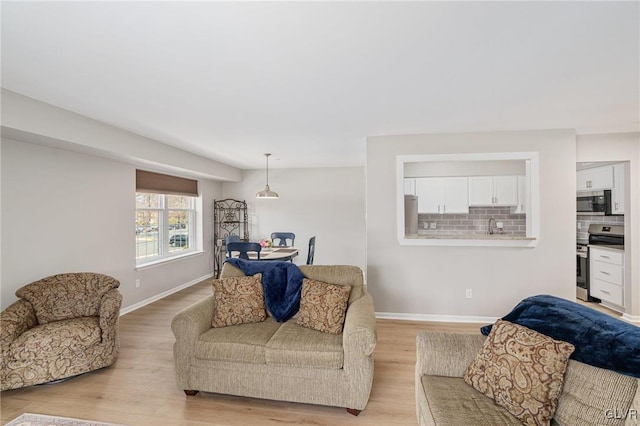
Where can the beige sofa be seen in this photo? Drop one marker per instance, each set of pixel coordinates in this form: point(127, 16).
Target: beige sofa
point(281, 361)
point(590, 396)
point(62, 326)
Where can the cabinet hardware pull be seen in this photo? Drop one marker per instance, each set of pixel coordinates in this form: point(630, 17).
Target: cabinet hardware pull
point(604, 257)
point(616, 205)
point(444, 208)
point(604, 273)
point(605, 291)
point(438, 208)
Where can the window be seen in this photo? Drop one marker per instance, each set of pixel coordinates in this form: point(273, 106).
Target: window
point(165, 226)
point(438, 169)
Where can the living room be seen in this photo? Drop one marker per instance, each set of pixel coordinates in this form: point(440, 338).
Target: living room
point(69, 160)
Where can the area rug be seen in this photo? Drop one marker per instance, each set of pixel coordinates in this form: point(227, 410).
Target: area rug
point(28, 419)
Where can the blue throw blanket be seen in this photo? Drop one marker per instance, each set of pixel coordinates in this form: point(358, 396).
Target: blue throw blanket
point(281, 282)
point(600, 340)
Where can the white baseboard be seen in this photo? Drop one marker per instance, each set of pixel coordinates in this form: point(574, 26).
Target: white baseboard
point(631, 318)
point(162, 295)
point(436, 318)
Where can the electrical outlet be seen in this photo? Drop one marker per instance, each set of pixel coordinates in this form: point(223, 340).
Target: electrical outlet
point(137, 283)
point(579, 225)
point(469, 293)
point(433, 225)
point(499, 225)
point(426, 225)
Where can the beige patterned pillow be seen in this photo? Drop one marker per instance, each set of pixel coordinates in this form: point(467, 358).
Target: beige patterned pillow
point(522, 370)
point(323, 306)
point(238, 300)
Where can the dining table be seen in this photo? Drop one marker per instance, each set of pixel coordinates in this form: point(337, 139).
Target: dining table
point(273, 253)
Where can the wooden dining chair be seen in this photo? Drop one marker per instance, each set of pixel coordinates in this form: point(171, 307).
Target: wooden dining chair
point(243, 248)
point(312, 250)
point(283, 237)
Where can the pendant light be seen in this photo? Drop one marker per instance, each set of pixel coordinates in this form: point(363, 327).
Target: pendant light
point(267, 192)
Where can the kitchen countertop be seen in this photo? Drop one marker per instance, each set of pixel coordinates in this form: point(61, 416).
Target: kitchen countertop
point(606, 246)
point(470, 237)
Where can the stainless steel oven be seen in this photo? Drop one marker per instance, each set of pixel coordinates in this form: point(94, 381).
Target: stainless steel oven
point(582, 264)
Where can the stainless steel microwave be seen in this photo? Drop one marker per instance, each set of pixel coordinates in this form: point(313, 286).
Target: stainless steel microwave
point(594, 203)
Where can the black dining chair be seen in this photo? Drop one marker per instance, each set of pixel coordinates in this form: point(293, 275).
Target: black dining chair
point(243, 248)
point(230, 239)
point(312, 250)
point(283, 237)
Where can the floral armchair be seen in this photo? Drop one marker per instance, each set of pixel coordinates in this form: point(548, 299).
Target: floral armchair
point(62, 326)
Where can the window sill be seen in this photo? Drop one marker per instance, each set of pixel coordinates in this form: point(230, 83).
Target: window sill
point(164, 260)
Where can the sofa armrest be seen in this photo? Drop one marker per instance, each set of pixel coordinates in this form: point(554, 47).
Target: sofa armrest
point(192, 321)
point(445, 354)
point(187, 326)
point(110, 314)
point(359, 334)
point(15, 320)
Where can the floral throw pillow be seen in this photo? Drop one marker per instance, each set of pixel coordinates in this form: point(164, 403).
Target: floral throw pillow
point(323, 306)
point(522, 370)
point(238, 300)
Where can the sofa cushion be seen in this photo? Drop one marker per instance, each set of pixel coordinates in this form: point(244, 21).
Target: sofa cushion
point(452, 402)
point(237, 343)
point(58, 339)
point(338, 274)
point(67, 296)
point(522, 370)
point(323, 306)
point(594, 396)
point(297, 346)
point(238, 300)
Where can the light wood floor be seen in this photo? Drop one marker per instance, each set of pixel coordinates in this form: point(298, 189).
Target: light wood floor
point(139, 389)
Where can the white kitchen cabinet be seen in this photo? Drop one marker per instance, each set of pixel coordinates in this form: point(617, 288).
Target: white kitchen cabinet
point(442, 195)
point(606, 275)
point(617, 192)
point(455, 193)
point(594, 179)
point(521, 207)
point(409, 186)
point(493, 191)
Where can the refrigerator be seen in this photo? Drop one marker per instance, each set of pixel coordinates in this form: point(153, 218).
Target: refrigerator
point(410, 215)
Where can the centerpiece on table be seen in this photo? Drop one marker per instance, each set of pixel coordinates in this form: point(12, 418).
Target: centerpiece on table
point(266, 243)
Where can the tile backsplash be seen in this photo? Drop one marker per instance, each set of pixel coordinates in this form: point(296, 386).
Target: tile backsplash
point(476, 222)
point(582, 230)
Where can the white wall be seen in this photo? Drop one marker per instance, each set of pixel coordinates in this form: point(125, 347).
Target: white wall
point(465, 168)
point(622, 147)
point(419, 280)
point(325, 202)
point(30, 120)
point(64, 211)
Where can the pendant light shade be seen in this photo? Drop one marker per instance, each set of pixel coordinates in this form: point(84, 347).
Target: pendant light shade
point(267, 192)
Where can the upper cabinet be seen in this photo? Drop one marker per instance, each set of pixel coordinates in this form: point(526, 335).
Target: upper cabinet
point(409, 186)
point(617, 192)
point(595, 179)
point(521, 207)
point(442, 195)
point(493, 191)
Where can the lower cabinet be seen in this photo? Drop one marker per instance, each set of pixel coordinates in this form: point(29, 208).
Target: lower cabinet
point(606, 275)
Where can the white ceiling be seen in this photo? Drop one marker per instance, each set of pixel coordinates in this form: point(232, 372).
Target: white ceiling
point(310, 81)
